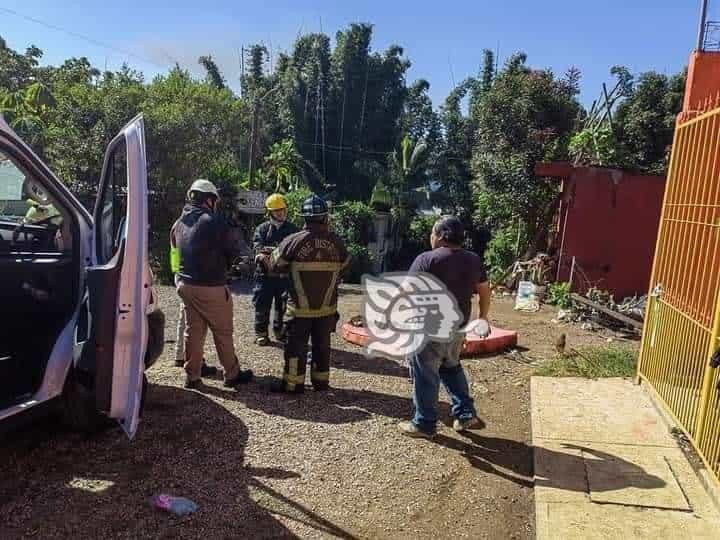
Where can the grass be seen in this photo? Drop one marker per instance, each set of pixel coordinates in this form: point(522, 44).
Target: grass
point(592, 363)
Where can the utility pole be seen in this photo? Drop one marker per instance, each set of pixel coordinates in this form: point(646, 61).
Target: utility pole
point(253, 135)
point(701, 27)
point(254, 132)
point(242, 69)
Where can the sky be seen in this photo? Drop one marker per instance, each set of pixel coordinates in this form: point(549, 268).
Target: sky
point(443, 40)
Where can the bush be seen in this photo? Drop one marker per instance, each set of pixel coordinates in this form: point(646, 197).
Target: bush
point(353, 221)
point(415, 240)
point(558, 294)
point(501, 251)
point(295, 200)
point(362, 262)
point(418, 234)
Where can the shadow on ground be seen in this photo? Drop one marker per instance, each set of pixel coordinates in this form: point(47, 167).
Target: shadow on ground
point(64, 485)
point(353, 361)
point(335, 406)
point(513, 460)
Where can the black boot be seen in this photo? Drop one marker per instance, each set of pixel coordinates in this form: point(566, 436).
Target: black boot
point(208, 371)
point(280, 335)
point(244, 376)
point(192, 385)
point(262, 341)
point(279, 387)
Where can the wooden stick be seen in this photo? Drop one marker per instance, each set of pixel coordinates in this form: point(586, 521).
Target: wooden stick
point(607, 311)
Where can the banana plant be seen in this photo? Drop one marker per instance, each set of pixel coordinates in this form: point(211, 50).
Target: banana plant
point(25, 109)
point(406, 165)
point(283, 166)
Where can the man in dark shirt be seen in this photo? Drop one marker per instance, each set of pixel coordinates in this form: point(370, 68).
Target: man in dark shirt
point(463, 274)
point(206, 247)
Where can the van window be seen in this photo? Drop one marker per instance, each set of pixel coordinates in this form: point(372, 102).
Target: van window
point(12, 205)
point(30, 220)
point(112, 205)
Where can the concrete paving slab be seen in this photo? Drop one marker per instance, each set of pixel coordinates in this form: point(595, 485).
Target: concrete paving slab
point(609, 410)
point(578, 521)
point(631, 483)
point(560, 474)
point(606, 466)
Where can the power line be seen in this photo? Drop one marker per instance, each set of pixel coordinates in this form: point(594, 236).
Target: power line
point(82, 37)
point(335, 148)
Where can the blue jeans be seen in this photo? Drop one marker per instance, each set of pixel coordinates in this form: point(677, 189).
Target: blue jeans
point(436, 363)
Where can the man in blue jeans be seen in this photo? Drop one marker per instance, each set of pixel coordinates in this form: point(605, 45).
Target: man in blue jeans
point(463, 273)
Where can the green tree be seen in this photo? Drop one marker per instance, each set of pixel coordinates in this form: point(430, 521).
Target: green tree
point(214, 76)
point(646, 120)
point(526, 116)
point(18, 70)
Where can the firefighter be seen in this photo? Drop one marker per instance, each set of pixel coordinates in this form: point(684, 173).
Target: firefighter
point(205, 249)
point(270, 285)
point(315, 258)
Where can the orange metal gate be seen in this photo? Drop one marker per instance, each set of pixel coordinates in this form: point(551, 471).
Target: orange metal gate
point(683, 313)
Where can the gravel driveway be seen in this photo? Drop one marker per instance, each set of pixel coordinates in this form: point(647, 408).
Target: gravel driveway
point(270, 466)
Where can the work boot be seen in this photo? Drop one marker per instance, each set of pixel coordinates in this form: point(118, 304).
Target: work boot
point(321, 387)
point(208, 371)
point(262, 341)
point(409, 429)
point(244, 376)
point(279, 387)
point(192, 385)
point(280, 335)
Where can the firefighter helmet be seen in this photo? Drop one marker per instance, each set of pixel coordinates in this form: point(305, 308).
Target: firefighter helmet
point(314, 206)
point(276, 201)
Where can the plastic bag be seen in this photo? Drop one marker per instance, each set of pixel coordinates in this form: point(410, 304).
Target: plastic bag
point(179, 506)
point(526, 299)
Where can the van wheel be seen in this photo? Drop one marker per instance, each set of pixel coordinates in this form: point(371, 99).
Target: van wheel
point(78, 409)
point(79, 412)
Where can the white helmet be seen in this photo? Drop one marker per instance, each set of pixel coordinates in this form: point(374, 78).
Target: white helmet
point(203, 186)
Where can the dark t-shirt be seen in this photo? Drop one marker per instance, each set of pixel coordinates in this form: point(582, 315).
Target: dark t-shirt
point(460, 270)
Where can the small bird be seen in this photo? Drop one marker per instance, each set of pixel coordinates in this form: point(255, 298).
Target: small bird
point(560, 344)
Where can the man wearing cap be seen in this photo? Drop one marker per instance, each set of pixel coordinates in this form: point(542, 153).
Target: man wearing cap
point(270, 285)
point(315, 259)
point(463, 274)
point(205, 249)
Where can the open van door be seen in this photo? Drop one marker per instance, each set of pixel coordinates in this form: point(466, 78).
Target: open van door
point(118, 279)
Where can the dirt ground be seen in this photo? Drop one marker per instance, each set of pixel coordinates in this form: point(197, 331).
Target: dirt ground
point(311, 466)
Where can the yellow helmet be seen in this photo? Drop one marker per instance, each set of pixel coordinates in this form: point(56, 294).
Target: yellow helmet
point(275, 202)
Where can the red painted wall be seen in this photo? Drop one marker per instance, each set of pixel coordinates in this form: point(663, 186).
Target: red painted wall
point(612, 223)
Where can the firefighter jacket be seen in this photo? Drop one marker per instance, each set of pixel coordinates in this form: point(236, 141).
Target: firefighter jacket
point(315, 258)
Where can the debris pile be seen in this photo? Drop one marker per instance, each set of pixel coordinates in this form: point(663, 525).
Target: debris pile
point(590, 317)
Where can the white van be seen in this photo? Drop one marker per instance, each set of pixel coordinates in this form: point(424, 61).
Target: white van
point(78, 319)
